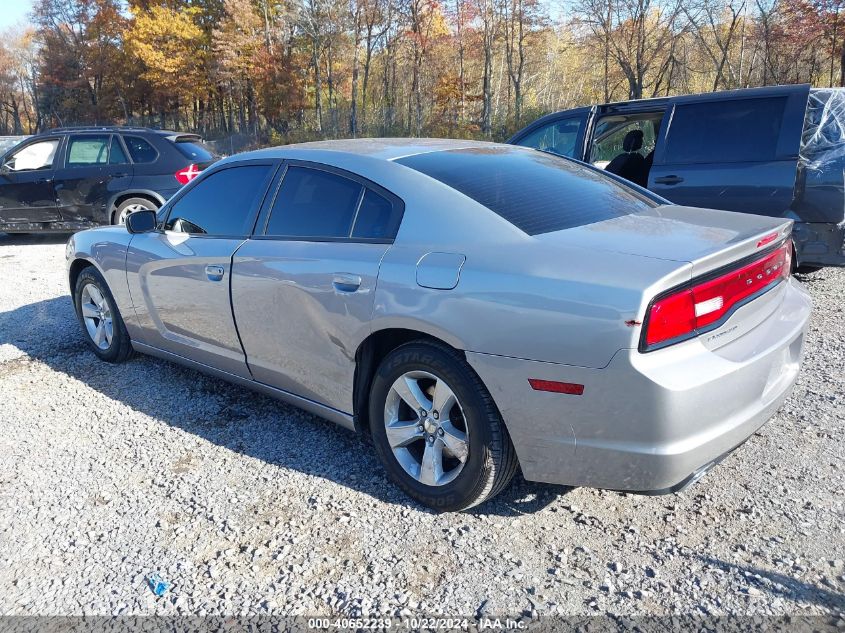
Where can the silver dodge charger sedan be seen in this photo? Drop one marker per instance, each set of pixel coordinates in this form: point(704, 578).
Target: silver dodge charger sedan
point(475, 308)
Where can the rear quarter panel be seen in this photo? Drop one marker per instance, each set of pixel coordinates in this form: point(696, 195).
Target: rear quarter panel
point(562, 305)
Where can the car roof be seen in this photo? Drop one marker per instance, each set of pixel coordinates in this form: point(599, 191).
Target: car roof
point(389, 149)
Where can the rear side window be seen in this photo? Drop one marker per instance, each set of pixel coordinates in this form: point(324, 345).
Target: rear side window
point(377, 217)
point(736, 131)
point(140, 150)
point(314, 203)
point(223, 203)
point(88, 150)
point(534, 191)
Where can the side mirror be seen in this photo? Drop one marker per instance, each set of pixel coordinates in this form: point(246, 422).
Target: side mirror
point(142, 221)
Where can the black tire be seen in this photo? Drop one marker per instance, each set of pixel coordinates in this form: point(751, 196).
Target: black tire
point(120, 348)
point(491, 460)
point(132, 202)
point(806, 269)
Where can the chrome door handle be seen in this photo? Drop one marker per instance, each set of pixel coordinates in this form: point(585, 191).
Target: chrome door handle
point(214, 273)
point(345, 282)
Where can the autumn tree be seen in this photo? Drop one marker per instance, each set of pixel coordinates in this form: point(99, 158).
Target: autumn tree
point(82, 57)
point(167, 42)
point(640, 35)
point(264, 71)
point(716, 25)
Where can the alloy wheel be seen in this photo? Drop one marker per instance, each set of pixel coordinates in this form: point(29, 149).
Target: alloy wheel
point(97, 316)
point(426, 428)
point(132, 208)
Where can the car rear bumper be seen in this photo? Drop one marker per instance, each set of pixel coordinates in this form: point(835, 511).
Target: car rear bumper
point(650, 422)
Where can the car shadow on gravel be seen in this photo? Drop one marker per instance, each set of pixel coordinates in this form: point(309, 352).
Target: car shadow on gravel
point(22, 239)
point(238, 419)
point(776, 585)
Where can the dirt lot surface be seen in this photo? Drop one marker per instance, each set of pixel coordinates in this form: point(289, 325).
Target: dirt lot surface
point(248, 506)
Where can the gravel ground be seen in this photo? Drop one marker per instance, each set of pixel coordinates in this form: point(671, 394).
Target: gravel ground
point(248, 506)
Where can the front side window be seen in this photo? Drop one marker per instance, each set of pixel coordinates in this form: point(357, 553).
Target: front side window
point(84, 151)
point(314, 203)
point(559, 137)
point(734, 131)
point(140, 150)
point(33, 157)
point(222, 203)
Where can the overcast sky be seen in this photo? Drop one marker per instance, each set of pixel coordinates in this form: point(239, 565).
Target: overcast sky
point(13, 12)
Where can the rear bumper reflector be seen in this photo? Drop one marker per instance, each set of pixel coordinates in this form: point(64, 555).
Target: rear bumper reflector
point(571, 388)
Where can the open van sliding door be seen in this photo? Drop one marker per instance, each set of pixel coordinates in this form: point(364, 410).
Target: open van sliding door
point(732, 151)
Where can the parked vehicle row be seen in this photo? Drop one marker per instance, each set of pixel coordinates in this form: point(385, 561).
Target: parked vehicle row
point(475, 307)
point(777, 151)
point(75, 178)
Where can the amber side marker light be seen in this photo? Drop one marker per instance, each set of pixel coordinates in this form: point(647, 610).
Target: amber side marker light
point(571, 388)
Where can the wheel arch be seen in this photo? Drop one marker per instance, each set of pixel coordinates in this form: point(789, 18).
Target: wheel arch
point(369, 355)
point(119, 198)
point(75, 269)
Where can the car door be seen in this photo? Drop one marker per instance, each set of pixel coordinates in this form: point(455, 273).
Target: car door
point(738, 153)
point(94, 168)
point(303, 287)
point(179, 275)
point(561, 133)
point(27, 193)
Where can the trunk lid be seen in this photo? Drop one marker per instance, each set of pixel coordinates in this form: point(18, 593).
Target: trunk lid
point(705, 238)
point(709, 246)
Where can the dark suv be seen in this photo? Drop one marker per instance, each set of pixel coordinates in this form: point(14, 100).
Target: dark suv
point(69, 179)
point(777, 151)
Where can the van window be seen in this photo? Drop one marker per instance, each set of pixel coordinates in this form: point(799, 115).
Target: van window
point(610, 132)
point(558, 137)
point(735, 131)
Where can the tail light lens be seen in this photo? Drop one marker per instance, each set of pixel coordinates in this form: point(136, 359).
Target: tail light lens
point(184, 176)
point(705, 304)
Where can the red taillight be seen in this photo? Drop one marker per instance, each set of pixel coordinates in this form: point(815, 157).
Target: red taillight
point(184, 176)
point(690, 311)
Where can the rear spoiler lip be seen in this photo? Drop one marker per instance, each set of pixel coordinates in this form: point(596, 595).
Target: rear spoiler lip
point(184, 138)
point(644, 348)
point(742, 251)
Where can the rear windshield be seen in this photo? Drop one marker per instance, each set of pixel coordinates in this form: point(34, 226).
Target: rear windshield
point(194, 150)
point(535, 191)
